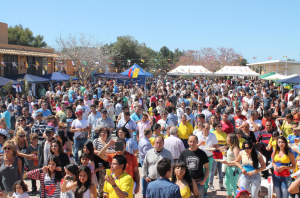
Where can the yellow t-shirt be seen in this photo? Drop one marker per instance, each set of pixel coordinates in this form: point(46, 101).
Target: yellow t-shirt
point(273, 143)
point(184, 131)
point(152, 139)
point(287, 129)
point(150, 111)
point(221, 137)
point(241, 141)
point(124, 182)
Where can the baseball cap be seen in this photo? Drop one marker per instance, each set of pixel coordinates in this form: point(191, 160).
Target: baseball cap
point(240, 190)
point(50, 128)
point(95, 96)
point(79, 112)
point(3, 132)
point(104, 111)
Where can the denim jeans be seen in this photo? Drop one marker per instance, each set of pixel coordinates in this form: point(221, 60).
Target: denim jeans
point(201, 188)
point(95, 135)
point(144, 183)
point(281, 185)
point(255, 181)
point(216, 165)
point(78, 143)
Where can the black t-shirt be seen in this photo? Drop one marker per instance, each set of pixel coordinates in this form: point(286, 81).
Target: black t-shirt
point(249, 138)
point(195, 161)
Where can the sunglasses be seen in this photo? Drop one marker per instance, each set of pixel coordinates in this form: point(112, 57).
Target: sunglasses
point(21, 135)
point(54, 146)
point(21, 120)
point(104, 113)
point(247, 148)
point(219, 126)
point(6, 148)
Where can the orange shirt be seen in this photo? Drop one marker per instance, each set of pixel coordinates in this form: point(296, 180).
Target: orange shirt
point(263, 121)
point(131, 162)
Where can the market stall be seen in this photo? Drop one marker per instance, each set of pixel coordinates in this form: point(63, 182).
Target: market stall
point(192, 70)
point(235, 71)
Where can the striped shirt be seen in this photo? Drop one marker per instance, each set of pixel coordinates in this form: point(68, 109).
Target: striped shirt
point(39, 128)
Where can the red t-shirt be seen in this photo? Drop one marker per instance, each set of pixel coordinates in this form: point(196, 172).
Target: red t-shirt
point(239, 120)
point(153, 99)
point(227, 127)
point(263, 121)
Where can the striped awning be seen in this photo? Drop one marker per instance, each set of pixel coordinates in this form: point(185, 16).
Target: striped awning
point(28, 53)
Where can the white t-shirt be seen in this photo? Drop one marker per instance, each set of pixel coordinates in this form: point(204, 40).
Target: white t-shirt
point(165, 123)
point(251, 128)
point(85, 110)
point(48, 93)
point(58, 93)
point(87, 103)
point(17, 195)
point(79, 124)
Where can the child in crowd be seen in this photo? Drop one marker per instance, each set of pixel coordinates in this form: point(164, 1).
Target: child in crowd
point(33, 164)
point(20, 190)
point(273, 141)
point(71, 171)
point(85, 161)
point(242, 193)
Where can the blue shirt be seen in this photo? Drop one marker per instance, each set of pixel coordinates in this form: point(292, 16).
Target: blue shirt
point(116, 90)
point(162, 188)
point(291, 139)
point(45, 113)
point(135, 118)
point(6, 115)
point(173, 117)
point(144, 147)
point(192, 118)
point(131, 145)
point(131, 125)
point(93, 119)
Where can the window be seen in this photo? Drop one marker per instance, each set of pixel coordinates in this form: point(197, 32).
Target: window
point(9, 70)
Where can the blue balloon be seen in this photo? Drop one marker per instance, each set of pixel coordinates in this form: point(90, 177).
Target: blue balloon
point(284, 84)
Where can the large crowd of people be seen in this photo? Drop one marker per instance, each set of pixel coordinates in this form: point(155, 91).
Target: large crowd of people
point(89, 140)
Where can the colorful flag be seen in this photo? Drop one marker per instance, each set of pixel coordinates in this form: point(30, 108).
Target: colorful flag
point(84, 63)
point(130, 73)
point(116, 70)
point(240, 58)
point(37, 63)
point(100, 70)
point(49, 63)
point(285, 56)
point(14, 64)
point(135, 73)
point(72, 62)
point(60, 63)
point(142, 60)
point(254, 57)
point(55, 68)
point(82, 69)
point(97, 63)
point(169, 59)
point(129, 61)
point(26, 64)
point(46, 67)
point(269, 57)
point(3, 63)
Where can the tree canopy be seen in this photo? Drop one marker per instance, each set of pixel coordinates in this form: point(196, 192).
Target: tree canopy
point(19, 36)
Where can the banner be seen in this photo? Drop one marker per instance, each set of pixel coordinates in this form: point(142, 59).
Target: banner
point(135, 73)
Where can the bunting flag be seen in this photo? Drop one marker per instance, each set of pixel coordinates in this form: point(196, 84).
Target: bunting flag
point(55, 68)
point(135, 73)
point(100, 70)
point(254, 57)
point(97, 63)
point(3, 63)
point(269, 57)
point(49, 63)
point(37, 63)
point(210, 57)
point(82, 69)
point(75, 68)
point(110, 62)
point(46, 68)
point(169, 59)
point(129, 61)
point(240, 58)
point(165, 71)
point(60, 63)
point(143, 60)
point(72, 62)
point(14, 64)
point(156, 60)
point(84, 63)
point(285, 56)
point(130, 73)
point(36, 67)
point(26, 64)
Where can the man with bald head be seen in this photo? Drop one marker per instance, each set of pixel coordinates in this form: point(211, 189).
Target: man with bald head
point(153, 156)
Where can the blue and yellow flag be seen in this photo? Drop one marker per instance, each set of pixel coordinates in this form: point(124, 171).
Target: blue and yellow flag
point(135, 73)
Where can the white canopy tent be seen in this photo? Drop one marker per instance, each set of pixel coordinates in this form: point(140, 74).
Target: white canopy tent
point(191, 70)
point(278, 77)
point(235, 71)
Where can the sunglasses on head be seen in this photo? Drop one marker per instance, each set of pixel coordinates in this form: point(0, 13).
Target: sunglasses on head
point(21, 135)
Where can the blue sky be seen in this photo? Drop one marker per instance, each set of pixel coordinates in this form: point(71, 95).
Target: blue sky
point(259, 28)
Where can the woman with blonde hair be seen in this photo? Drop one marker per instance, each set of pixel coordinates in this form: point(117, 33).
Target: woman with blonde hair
point(11, 167)
point(3, 126)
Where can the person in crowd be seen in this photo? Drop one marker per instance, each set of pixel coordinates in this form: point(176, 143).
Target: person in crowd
point(57, 150)
point(22, 126)
point(83, 187)
point(250, 167)
point(71, 171)
point(131, 169)
point(174, 144)
point(165, 122)
point(185, 129)
point(208, 112)
point(81, 129)
point(163, 187)
point(39, 126)
point(105, 121)
point(128, 123)
point(65, 142)
point(131, 145)
point(102, 140)
point(62, 112)
point(44, 110)
point(153, 156)
point(247, 134)
point(92, 119)
point(6, 114)
point(120, 183)
point(181, 177)
point(156, 132)
point(11, 167)
point(207, 142)
point(283, 162)
point(50, 177)
point(227, 126)
point(145, 123)
point(198, 164)
point(85, 109)
point(286, 127)
point(45, 146)
point(239, 118)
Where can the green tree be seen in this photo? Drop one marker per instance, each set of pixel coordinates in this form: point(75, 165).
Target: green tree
point(243, 62)
point(19, 36)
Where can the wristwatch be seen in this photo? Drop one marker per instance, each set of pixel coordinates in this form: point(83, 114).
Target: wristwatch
point(114, 186)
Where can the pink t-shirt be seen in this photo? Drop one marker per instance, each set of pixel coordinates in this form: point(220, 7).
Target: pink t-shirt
point(141, 127)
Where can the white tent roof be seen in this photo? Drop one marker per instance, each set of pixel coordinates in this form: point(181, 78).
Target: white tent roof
point(235, 71)
point(190, 70)
point(278, 77)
